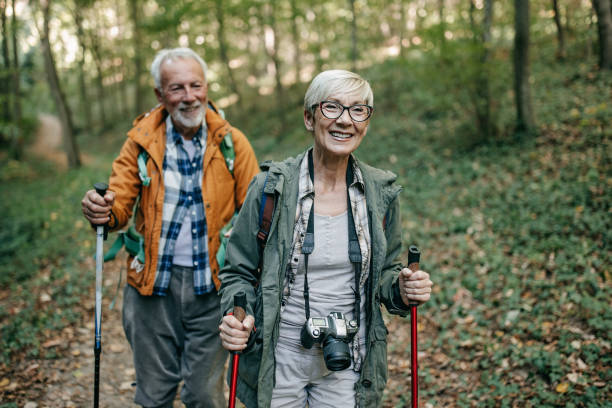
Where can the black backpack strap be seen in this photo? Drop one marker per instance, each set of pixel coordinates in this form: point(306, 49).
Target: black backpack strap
point(266, 211)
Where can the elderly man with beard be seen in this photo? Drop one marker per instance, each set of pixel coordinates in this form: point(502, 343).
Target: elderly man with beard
point(171, 307)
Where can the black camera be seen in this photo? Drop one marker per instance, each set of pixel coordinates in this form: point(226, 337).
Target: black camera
point(334, 332)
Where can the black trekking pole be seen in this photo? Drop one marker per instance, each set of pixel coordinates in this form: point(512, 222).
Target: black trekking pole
point(414, 257)
point(101, 234)
point(239, 313)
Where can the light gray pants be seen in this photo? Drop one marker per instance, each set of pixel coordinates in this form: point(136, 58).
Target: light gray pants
point(301, 376)
point(173, 338)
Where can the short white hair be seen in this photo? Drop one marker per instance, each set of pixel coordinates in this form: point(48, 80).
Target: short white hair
point(173, 53)
point(336, 81)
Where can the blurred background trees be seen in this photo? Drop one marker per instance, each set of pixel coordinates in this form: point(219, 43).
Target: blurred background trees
point(86, 61)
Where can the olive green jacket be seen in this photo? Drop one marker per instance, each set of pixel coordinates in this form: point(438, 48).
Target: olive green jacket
point(263, 288)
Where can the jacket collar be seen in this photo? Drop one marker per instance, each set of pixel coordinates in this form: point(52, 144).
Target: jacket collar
point(149, 130)
point(376, 182)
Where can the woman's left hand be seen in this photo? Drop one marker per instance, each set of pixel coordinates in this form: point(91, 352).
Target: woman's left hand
point(415, 287)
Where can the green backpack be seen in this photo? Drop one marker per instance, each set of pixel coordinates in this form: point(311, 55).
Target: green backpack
point(133, 241)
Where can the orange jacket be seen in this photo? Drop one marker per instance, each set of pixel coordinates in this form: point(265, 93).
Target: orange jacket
point(222, 194)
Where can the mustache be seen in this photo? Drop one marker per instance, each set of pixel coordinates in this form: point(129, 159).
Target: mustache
point(193, 105)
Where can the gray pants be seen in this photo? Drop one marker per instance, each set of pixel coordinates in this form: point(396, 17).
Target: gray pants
point(173, 338)
point(302, 378)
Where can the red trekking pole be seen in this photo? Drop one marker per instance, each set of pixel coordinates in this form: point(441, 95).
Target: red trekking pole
point(414, 257)
point(239, 313)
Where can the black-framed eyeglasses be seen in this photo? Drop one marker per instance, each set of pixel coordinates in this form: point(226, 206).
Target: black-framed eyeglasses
point(333, 110)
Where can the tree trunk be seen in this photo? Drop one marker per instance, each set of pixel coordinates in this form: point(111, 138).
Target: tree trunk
point(354, 54)
point(402, 30)
point(603, 9)
point(85, 103)
point(136, 41)
point(18, 139)
point(295, 33)
point(524, 112)
point(223, 49)
point(70, 144)
point(95, 51)
point(442, 27)
point(272, 50)
point(5, 69)
point(482, 101)
point(561, 54)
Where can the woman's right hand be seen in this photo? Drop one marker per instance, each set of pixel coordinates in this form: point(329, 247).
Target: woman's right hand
point(235, 334)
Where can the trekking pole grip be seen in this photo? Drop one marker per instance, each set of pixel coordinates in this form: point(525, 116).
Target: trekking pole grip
point(240, 306)
point(414, 257)
point(101, 188)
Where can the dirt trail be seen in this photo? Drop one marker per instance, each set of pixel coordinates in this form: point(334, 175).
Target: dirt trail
point(70, 379)
point(48, 141)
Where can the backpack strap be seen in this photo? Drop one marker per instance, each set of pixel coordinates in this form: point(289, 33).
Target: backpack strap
point(143, 156)
point(227, 150)
point(266, 211)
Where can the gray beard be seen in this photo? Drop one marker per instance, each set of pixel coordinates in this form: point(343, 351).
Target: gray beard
point(188, 122)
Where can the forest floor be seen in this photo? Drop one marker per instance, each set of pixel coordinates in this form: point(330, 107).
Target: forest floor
point(67, 381)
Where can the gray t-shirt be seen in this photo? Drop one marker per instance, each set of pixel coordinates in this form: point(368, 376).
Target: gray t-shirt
point(331, 281)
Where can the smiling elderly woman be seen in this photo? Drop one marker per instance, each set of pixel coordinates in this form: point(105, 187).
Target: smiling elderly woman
point(314, 332)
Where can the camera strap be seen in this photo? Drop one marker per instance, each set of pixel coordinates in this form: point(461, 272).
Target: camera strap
point(354, 251)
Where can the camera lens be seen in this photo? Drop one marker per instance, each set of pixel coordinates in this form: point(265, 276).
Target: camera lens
point(336, 354)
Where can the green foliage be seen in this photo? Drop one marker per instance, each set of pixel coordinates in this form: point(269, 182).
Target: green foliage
point(42, 238)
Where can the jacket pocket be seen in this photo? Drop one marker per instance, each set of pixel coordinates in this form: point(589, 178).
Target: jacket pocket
point(378, 358)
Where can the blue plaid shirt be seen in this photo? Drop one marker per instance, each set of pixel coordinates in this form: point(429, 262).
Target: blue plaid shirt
point(182, 197)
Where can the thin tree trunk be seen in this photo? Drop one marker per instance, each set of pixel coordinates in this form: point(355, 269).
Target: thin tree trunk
point(5, 70)
point(18, 139)
point(319, 27)
point(95, 51)
point(354, 53)
point(561, 54)
point(295, 33)
point(136, 43)
point(442, 27)
point(272, 50)
point(603, 9)
point(85, 105)
point(483, 89)
point(402, 30)
point(70, 144)
point(223, 49)
point(524, 118)
point(256, 44)
point(121, 104)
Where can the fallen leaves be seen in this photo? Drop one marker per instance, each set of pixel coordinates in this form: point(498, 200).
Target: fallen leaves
point(562, 387)
point(53, 342)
